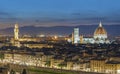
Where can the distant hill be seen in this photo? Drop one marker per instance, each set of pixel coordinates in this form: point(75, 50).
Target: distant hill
point(113, 30)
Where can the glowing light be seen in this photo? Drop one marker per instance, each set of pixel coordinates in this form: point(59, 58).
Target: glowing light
point(55, 37)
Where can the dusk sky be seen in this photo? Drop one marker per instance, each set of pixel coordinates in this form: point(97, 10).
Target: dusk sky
point(59, 12)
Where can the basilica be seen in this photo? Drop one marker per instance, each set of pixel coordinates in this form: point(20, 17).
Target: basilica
point(99, 36)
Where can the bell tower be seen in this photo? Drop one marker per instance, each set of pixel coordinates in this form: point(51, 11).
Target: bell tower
point(16, 32)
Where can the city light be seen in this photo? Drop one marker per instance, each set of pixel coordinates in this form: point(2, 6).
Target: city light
point(59, 37)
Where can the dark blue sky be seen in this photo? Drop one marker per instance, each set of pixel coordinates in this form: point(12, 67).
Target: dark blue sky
point(59, 12)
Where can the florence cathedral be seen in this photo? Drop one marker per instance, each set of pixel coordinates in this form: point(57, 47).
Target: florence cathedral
point(99, 36)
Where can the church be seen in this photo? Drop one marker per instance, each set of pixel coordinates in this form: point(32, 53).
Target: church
point(99, 36)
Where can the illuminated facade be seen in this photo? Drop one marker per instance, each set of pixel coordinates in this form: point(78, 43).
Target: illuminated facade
point(112, 67)
point(81, 39)
point(100, 35)
point(105, 66)
point(15, 40)
point(88, 40)
point(97, 65)
point(38, 45)
point(75, 36)
point(16, 32)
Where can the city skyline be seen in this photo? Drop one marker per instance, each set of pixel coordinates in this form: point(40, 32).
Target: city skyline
point(59, 37)
point(58, 13)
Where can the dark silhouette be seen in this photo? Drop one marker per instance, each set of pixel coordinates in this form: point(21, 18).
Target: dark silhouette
point(12, 72)
point(24, 71)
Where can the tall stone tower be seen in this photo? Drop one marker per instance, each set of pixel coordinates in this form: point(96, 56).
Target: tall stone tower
point(75, 36)
point(16, 32)
point(16, 36)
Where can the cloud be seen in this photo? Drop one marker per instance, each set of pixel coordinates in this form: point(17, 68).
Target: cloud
point(73, 19)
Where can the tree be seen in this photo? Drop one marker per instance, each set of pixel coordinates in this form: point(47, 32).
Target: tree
point(61, 65)
point(12, 72)
point(1, 56)
point(47, 63)
point(24, 71)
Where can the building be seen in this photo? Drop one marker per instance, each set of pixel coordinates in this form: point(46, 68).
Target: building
point(81, 66)
point(75, 36)
point(88, 40)
point(56, 62)
point(38, 45)
point(97, 65)
point(16, 32)
point(105, 66)
point(15, 40)
point(100, 35)
point(112, 67)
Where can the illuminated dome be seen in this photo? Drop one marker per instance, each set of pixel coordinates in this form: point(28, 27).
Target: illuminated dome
point(100, 32)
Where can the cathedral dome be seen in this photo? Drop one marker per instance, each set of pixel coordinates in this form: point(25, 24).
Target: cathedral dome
point(100, 32)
